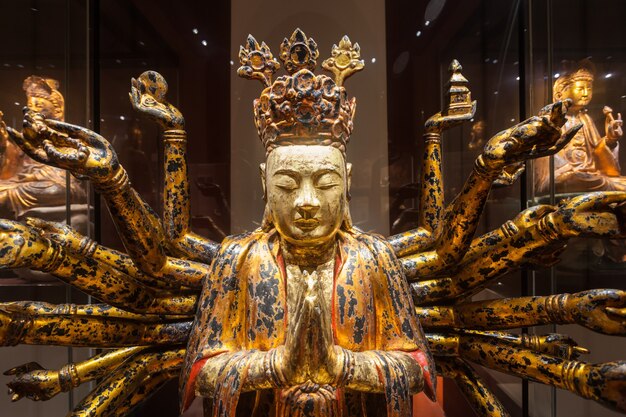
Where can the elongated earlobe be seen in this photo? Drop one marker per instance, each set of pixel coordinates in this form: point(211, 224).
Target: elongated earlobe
point(267, 223)
point(262, 172)
point(348, 181)
point(346, 224)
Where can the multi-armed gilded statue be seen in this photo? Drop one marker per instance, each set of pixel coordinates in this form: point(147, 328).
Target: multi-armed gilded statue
point(307, 315)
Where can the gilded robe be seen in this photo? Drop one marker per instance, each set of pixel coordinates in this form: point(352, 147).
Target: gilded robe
point(243, 306)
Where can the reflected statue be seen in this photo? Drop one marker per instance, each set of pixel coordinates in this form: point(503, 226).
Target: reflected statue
point(26, 184)
point(590, 162)
point(477, 135)
point(306, 316)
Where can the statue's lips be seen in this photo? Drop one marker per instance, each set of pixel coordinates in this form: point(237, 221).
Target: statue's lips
point(307, 224)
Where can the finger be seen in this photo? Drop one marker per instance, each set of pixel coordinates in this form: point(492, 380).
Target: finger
point(16, 136)
point(62, 139)
point(132, 99)
point(22, 369)
point(14, 395)
point(560, 143)
point(557, 115)
point(92, 138)
point(19, 140)
point(581, 350)
point(135, 95)
point(13, 371)
point(507, 178)
point(70, 159)
point(621, 312)
point(44, 225)
point(30, 150)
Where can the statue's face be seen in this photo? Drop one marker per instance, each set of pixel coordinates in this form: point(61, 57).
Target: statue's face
point(41, 105)
point(306, 190)
point(580, 93)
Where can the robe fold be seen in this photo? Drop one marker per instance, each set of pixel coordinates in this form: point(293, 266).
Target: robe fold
point(243, 306)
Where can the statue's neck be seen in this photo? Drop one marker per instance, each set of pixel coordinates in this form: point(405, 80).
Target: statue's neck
point(308, 256)
point(575, 111)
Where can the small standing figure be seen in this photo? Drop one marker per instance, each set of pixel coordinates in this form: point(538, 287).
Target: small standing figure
point(590, 162)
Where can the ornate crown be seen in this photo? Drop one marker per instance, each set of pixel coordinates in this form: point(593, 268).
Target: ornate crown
point(302, 108)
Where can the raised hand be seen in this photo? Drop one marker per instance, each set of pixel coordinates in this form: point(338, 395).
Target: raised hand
point(535, 137)
point(599, 214)
point(82, 152)
point(603, 310)
point(612, 126)
point(34, 382)
point(147, 96)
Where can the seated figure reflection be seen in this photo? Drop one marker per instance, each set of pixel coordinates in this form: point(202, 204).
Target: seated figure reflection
point(590, 162)
point(26, 184)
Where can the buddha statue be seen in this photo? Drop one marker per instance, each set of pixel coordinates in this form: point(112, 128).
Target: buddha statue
point(590, 162)
point(24, 183)
point(306, 315)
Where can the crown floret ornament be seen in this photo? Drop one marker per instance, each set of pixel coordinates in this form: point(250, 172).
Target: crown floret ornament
point(298, 52)
point(345, 60)
point(302, 108)
point(257, 62)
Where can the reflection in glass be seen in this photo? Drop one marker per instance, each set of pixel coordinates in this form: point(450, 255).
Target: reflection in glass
point(28, 187)
point(590, 161)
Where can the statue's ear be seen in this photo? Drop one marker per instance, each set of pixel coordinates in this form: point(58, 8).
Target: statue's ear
point(262, 172)
point(348, 178)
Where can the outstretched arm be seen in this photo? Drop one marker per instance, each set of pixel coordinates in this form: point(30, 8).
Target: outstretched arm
point(532, 138)
point(188, 273)
point(113, 391)
point(87, 154)
point(562, 346)
point(148, 98)
point(535, 236)
point(602, 310)
point(88, 331)
point(603, 382)
point(24, 247)
point(33, 381)
point(481, 252)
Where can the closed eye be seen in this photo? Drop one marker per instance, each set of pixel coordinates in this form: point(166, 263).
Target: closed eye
point(327, 180)
point(285, 182)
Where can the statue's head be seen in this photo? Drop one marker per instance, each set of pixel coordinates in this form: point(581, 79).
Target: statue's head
point(43, 96)
point(304, 121)
point(577, 86)
point(306, 189)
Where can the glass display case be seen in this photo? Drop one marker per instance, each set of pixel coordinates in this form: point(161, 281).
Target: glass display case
point(42, 69)
point(74, 59)
point(579, 55)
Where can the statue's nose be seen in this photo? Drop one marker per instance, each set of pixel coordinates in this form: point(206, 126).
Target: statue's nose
point(308, 211)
